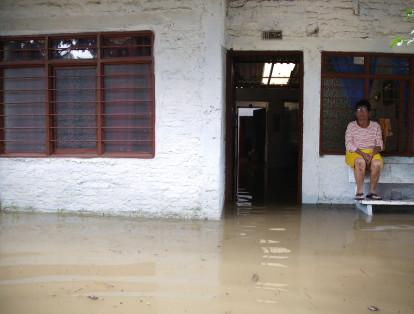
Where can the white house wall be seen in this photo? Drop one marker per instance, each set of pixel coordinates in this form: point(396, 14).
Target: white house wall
point(312, 26)
point(186, 177)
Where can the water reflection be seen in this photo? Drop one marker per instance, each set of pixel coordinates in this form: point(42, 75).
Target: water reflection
point(314, 259)
point(320, 259)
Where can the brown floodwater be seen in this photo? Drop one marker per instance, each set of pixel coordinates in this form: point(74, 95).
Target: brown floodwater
point(264, 260)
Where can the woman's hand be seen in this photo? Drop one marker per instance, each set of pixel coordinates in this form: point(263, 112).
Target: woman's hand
point(367, 157)
point(376, 150)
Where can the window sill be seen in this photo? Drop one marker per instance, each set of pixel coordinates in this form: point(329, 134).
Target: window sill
point(106, 155)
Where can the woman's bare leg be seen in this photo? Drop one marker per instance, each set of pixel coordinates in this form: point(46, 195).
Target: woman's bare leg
point(375, 174)
point(359, 171)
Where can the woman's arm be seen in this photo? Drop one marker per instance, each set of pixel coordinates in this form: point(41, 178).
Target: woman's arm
point(349, 143)
point(379, 144)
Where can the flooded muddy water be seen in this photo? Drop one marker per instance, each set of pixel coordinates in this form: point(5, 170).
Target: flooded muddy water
point(280, 260)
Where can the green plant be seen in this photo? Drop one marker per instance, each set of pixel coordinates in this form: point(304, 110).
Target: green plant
point(400, 41)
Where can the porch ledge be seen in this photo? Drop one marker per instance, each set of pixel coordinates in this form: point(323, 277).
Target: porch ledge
point(393, 172)
point(366, 205)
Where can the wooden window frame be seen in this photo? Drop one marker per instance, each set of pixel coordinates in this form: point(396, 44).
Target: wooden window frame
point(99, 62)
point(367, 76)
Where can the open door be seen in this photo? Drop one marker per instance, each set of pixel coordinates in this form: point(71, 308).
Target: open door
point(259, 187)
point(250, 157)
point(259, 122)
point(272, 168)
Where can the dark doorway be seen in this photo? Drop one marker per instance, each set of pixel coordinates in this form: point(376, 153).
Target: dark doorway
point(264, 127)
point(251, 154)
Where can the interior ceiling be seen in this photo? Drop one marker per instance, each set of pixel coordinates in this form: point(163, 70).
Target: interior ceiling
point(249, 70)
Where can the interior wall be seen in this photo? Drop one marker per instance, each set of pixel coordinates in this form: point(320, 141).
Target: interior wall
point(276, 99)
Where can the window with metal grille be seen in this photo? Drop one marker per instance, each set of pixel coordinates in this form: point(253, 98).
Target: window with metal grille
point(77, 95)
point(386, 80)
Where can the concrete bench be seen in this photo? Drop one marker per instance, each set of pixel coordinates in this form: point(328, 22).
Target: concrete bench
point(393, 172)
point(398, 173)
point(366, 205)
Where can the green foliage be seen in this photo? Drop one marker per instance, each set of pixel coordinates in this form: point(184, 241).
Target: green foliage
point(409, 13)
point(399, 41)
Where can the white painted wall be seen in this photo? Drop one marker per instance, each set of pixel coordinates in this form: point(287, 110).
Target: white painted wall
point(186, 177)
point(325, 179)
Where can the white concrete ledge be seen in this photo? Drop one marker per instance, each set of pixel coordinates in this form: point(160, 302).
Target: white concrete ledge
point(366, 205)
point(392, 173)
point(387, 202)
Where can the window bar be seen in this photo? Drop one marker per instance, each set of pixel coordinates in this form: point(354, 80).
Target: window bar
point(271, 73)
point(22, 78)
point(23, 103)
point(126, 46)
point(19, 91)
point(91, 76)
point(321, 124)
point(20, 49)
point(103, 101)
point(84, 128)
point(367, 63)
point(2, 118)
point(366, 88)
point(20, 141)
point(152, 103)
point(142, 115)
point(52, 115)
point(99, 97)
point(76, 141)
point(411, 110)
point(400, 148)
point(48, 99)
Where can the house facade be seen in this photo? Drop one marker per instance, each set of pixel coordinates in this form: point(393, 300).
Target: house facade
point(175, 162)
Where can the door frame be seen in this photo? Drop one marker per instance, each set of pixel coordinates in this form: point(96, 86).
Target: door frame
point(231, 115)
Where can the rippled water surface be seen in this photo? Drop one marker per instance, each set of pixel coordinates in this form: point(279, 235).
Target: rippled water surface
point(263, 260)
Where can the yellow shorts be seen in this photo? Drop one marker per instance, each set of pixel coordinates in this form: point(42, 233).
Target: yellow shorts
point(350, 157)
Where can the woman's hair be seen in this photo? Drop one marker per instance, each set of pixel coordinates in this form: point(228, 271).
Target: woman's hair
point(363, 103)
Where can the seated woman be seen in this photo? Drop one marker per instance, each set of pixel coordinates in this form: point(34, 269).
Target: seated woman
point(363, 141)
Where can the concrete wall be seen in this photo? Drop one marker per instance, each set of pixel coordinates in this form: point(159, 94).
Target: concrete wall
point(186, 177)
point(312, 26)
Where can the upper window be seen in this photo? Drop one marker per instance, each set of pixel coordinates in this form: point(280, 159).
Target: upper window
point(386, 80)
point(77, 95)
